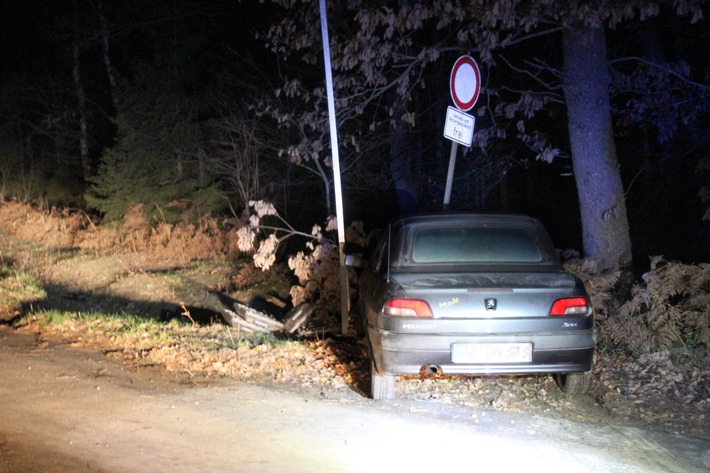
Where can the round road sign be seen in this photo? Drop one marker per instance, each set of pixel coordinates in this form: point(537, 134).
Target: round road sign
point(465, 83)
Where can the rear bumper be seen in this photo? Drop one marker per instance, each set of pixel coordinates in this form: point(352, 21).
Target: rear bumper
point(403, 353)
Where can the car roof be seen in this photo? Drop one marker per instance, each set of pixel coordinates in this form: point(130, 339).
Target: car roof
point(482, 217)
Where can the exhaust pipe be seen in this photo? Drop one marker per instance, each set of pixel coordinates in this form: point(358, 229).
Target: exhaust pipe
point(432, 369)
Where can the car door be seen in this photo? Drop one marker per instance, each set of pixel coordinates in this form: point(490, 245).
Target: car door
point(373, 286)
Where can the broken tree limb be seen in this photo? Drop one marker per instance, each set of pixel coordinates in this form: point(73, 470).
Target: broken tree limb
point(258, 318)
point(252, 320)
point(297, 316)
point(236, 321)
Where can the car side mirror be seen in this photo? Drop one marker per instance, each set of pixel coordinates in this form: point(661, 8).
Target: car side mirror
point(355, 261)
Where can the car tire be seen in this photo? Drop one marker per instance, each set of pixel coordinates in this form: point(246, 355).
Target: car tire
point(574, 383)
point(381, 385)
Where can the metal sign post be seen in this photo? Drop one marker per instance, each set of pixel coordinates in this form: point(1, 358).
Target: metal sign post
point(450, 175)
point(465, 85)
point(343, 274)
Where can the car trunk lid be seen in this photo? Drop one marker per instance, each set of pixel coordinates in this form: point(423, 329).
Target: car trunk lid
point(489, 295)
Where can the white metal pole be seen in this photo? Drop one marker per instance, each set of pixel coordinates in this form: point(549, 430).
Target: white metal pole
point(344, 286)
point(450, 174)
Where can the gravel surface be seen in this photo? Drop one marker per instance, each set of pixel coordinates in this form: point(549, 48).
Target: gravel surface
point(665, 391)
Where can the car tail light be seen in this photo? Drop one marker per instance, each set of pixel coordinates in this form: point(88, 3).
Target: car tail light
point(407, 308)
point(569, 306)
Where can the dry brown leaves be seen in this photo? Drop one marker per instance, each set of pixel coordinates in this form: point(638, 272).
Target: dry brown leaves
point(214, 351)
point(669, 387)
point(74, 229)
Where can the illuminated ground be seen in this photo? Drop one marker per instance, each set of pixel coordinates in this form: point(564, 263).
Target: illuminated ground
point(68, 409)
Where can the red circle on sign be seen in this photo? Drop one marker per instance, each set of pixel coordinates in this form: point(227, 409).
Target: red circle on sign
point(465, 83)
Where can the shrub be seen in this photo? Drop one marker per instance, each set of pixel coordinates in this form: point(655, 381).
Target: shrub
point(671, 307)
point(316, 266)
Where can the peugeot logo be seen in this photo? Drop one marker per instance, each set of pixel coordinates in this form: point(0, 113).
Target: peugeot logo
point(491, 304)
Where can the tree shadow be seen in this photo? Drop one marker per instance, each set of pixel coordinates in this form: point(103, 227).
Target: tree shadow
point(347, 354)
point(63, 299)
point(351, 354)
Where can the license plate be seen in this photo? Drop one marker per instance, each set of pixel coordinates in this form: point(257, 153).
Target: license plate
point(491, 352)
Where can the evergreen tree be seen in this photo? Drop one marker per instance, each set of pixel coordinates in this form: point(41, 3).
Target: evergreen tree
point(156, 158)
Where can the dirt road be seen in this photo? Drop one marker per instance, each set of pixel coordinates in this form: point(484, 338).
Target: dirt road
point(67, 409)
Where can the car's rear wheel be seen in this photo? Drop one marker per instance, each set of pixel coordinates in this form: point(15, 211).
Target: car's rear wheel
point(381, 385)
point(574, 383)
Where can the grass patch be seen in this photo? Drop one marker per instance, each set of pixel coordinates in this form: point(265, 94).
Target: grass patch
point(98, 328)
point(131, 332)
point(17, 290)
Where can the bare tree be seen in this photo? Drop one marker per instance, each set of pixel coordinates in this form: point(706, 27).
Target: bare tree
point(237, 156)
point(81, 98)
point(106, 49)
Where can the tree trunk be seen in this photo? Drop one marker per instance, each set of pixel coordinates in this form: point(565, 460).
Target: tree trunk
point(107, 56)
point(81, 98)
point(605, 227)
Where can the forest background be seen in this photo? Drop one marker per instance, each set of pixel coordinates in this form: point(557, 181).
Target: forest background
point(187, 140)
point(593, 115)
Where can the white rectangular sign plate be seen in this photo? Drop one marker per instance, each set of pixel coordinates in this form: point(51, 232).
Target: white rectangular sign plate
point(459, 126)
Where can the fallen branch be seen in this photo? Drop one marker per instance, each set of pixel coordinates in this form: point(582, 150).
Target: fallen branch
point(252, 320)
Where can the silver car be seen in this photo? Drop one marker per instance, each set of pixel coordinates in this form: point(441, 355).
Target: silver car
point(473, 294)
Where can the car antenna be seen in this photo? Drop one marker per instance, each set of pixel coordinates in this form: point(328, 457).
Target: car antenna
point(389, 249)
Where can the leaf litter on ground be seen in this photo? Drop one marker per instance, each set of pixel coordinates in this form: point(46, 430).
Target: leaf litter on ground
point(666, 390)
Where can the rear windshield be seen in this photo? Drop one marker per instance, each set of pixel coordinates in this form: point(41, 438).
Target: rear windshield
point(475, 245)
